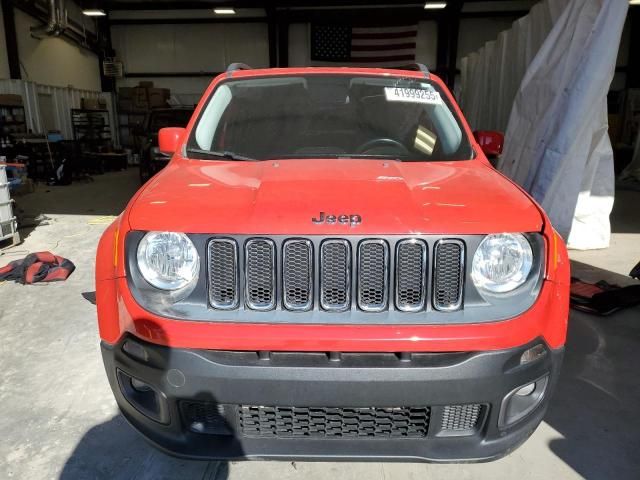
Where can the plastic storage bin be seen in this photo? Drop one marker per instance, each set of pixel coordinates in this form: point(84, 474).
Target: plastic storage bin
point(8, 224)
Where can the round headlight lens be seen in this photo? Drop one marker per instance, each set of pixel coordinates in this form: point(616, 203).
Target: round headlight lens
point(168, 260)
point(501, 263)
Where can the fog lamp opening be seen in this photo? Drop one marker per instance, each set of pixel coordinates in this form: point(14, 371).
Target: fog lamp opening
point(139, 385)
point(526, 390)
point(521, 401)
point(143, 397)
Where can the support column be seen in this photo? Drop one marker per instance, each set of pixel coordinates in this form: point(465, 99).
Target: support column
point(283, 42)
point(105, 50)
point(447, 48)
point(11, 39)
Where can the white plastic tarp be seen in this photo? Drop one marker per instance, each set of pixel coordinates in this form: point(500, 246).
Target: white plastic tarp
point(491, 76)
point(555, 66)
point(557, 146)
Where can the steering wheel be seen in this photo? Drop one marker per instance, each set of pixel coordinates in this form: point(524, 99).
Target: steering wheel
point(382, 142)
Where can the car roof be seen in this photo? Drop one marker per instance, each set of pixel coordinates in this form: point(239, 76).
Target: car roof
point(386, 72)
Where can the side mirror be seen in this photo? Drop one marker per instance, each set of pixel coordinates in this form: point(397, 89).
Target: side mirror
point(490, 142)
point(169, 139)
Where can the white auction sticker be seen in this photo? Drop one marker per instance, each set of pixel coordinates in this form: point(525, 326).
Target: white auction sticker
point(412, 95)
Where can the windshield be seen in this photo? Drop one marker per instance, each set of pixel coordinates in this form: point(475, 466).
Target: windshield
point(329, 116)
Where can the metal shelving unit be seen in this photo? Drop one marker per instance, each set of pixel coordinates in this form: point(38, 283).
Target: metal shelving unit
point(12, 120)
point(8, 223)
point(91, 129)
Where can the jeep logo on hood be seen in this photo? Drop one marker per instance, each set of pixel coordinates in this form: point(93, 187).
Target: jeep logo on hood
point(352, 219)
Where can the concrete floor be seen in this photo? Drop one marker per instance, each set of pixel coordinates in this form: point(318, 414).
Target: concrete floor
point(59, 420)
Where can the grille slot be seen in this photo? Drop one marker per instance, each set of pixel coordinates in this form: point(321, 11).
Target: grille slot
point(205, 417)
point(373, 275)
point(411, 270)
point(260, 274)
point(335, 275)
point(297, 275)
point(223, 273)
point(448, 272)
point(461, 418)
point(328, 422)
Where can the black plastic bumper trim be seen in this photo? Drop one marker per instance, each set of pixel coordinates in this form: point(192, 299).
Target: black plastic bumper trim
point(479, 378)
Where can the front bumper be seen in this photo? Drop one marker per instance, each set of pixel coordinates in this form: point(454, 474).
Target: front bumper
point(198, 399)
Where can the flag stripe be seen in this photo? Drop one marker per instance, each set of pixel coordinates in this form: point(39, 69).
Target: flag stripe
point(388, 54)
point(384, 29)
point(355, 47)
point(394, 58)
point(381, 36)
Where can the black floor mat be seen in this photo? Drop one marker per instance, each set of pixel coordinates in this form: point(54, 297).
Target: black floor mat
point(602, 298)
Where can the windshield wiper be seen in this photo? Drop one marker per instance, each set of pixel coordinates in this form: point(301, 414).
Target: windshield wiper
point(224, 155)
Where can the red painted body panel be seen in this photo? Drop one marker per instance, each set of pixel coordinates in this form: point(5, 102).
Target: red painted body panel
point(280, 197)
point(543, 320)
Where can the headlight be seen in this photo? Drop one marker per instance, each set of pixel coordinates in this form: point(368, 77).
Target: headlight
point(501, 263)
point(168, 260)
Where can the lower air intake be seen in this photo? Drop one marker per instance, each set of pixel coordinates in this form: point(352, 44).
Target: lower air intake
point(461, 418)
point(327, 422)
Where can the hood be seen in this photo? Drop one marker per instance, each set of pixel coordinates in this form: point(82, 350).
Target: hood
point(282, 197)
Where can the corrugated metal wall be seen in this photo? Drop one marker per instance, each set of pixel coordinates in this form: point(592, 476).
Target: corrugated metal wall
point(63, 99)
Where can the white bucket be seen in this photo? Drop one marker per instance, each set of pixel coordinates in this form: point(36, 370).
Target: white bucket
point(4, 185)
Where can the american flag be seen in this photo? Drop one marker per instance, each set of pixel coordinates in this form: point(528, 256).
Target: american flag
point(393, 46)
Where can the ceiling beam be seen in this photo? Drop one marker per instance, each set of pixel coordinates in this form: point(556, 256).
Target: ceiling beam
point(11, 39)
point(278, 4)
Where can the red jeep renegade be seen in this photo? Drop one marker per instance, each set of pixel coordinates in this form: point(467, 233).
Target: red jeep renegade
point(330, 268)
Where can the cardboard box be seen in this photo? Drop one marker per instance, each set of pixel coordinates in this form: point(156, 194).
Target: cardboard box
point(125, 93)
point(158, 97)
point(94, 103)
point(140, 98)
point(11, 100)
point(125, 105)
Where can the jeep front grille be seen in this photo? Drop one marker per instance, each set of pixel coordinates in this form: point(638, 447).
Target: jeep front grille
point(411, 269)
point(336, 275)
point(373, 281)
point(223, 274)
point(297, 275)
point(260, 276)
point(448, 277)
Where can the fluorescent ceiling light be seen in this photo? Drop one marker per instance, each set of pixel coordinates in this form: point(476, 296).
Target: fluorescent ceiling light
point(634, 2)
point(224, 11)
point(93, 12)
point(434, 5)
